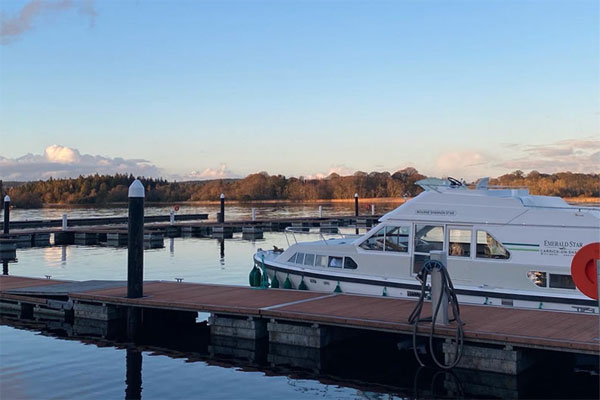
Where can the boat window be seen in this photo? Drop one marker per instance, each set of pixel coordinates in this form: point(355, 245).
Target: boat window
point(375, 242)
point(459, 242)
point(321, 261)
point(309, 259)
point(538, 278)
point(292, 258)
point(300, 258)
point(488, 247)
point(396, 239)
point(350, 263)
point(335, 262)
point(428, 238)
point(561, 281)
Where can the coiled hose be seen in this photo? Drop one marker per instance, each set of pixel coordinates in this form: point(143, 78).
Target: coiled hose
point(415, 316)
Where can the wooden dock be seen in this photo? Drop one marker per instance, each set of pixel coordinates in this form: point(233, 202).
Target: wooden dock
point(494, 327)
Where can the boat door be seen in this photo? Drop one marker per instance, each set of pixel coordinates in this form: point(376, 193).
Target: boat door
point(426, 237)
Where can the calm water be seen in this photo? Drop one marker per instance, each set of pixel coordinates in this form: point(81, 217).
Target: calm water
point(39, 361)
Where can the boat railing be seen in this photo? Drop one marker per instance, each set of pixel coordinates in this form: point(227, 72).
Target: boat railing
point(294, 230)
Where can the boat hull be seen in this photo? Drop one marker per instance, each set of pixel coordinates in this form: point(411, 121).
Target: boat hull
point(320, 281)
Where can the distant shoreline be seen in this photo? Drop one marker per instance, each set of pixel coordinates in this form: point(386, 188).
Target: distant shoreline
point(373, 200)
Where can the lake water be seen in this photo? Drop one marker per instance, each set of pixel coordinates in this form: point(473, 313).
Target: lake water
point(41, 359)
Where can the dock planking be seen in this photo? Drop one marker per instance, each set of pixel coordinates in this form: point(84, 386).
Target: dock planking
point(551, 330)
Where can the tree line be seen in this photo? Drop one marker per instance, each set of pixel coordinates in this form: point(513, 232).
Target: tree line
point(104, 189)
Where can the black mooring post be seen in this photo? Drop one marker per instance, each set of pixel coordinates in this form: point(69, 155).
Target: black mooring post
point(6, 214)
point(4, 267)
point(135, 241)
point(356, 210)
point(222, 214)
point(133, 379)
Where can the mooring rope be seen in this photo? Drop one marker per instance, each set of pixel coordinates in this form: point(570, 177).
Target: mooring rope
point(415, 316)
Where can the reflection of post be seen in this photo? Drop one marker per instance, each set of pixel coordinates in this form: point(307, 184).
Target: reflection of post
point(63, 255)
point(222, 243)
point(4, 267)
point(172, 246)
point(133, 379)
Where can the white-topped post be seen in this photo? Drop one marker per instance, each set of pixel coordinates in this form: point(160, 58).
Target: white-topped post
point(222, 214)
point(6, 214)
point(372, 209)
point(135, 241)
point(356, 210)
point(320, 211)
point(64, 222)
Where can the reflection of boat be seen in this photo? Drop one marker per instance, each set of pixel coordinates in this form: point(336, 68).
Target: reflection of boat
point(503, 246)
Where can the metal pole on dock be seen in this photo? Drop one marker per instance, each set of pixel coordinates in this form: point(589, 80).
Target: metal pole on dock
point(64, 222)
point(356, 210)
point(372, 209)
point(222, 214)
point(253, 214)
point(320, 211)
point(135, 241)
point(6, 214)
point(135, 256)
point(172, 217)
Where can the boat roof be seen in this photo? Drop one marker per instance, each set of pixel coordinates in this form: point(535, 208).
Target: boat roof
point(453, 201)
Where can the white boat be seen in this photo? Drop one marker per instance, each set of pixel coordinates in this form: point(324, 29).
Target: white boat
point(502, 247)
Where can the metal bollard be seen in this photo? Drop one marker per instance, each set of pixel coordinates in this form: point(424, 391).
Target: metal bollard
point(320, 211)
point(372, 209)
point(253, 214)
point(172, 217)
point(64, 222)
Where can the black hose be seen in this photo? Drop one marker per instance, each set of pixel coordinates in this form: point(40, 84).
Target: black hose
point(415, 316)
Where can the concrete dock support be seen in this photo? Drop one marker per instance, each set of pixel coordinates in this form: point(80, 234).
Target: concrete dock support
point(505, 360)
point(62, 238)
point(251, 233)
point(329, 227)
point(85, 238)
point(116, 239)
point(313, 335)
point(238, 327)
point(95, 311)
point(222, 232)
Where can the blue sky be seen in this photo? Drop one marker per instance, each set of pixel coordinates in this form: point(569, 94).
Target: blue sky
point(189, 89)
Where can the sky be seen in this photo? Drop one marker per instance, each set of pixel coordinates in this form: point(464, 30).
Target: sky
point(199, 90)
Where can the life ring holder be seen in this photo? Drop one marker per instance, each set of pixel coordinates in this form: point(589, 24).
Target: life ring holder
point(583, 269)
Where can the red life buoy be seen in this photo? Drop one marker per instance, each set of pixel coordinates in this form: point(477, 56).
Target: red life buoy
point(583, 269)
point(176, 208)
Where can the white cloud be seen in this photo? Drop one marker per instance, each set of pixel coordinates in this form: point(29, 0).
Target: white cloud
point(341, 170)
point(61, 154)
point(466, 164)
point(13, 27)
point(221, 172)
point(575, 155)
point(65, 162)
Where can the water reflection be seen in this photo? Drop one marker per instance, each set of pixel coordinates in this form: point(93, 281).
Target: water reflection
point(133, 380)
point(367, 366)
point(172, 246)
point(222, 253)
